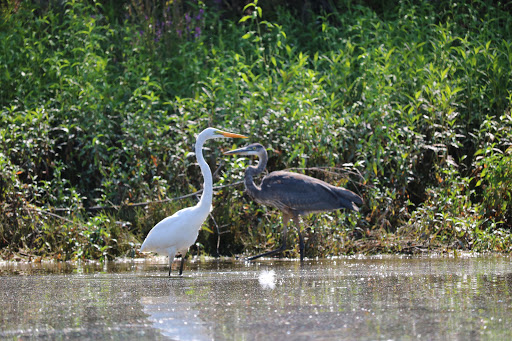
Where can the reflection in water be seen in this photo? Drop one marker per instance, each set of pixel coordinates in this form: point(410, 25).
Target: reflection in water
point(182, 316)
point(178, 320)
point(342, 299)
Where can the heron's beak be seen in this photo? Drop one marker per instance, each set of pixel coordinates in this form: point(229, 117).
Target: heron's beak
point(232, 135)
point(239, 151)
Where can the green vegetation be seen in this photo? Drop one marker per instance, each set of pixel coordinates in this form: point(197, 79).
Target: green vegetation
point(408, 106)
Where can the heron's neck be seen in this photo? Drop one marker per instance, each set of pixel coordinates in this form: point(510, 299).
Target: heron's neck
point(252, 171)
point(207, 197)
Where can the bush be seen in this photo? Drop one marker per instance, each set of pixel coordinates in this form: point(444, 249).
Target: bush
point(409, 107)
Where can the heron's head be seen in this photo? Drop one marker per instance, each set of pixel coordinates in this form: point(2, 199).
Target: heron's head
point(213, 133)
point(252, 149)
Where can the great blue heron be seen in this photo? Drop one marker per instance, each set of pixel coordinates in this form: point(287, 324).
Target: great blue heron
point(292, 193)
point(176, 233)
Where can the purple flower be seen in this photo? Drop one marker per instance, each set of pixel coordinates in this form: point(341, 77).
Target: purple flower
point(187, 18)
point(199, 16)
point(198, 32)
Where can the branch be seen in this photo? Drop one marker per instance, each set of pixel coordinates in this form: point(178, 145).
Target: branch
point(92, 208)
point(48, 213)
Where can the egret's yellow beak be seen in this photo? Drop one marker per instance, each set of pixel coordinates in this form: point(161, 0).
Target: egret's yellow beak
point(232, 135)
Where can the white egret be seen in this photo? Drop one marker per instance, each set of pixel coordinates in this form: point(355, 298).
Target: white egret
point(175, 234)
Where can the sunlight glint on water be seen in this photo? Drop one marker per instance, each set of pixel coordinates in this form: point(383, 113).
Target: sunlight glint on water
point(346, 298)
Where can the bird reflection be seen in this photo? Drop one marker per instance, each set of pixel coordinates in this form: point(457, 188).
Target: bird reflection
point(175, 319)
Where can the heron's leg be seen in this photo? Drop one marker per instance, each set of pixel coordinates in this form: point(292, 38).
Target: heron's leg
point(286, 218)
point(301, 239)
point(182, 262)
point(269, 253)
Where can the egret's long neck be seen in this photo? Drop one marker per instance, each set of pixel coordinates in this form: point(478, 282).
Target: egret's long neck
point(207, 197)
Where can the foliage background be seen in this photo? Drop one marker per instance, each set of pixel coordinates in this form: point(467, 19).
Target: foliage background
point(406, 103)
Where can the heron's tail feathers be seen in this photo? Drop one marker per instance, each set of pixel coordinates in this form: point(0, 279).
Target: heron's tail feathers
point(349, 199)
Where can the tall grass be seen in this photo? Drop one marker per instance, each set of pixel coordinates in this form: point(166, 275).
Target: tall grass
point(408, 107)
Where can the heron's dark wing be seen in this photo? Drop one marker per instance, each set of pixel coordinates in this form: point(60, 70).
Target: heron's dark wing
point(303, 194)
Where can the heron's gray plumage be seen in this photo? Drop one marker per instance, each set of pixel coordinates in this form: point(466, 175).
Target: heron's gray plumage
point(303, 194)
point(293, 193)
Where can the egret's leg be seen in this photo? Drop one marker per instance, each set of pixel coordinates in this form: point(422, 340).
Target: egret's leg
point(181, 264)
point(286, 218)
point(171, 252)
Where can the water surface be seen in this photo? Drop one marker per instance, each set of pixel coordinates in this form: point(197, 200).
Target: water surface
point(378, 298)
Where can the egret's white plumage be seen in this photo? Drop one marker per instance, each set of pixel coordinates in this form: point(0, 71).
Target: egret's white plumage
point(175, 234)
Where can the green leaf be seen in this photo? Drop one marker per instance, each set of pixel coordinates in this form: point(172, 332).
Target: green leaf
point(244, 76)
point(206, 228)
point(249, 5)
point(245, 18)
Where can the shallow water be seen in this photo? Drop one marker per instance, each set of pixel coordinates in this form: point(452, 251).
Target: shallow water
point(389, 298)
